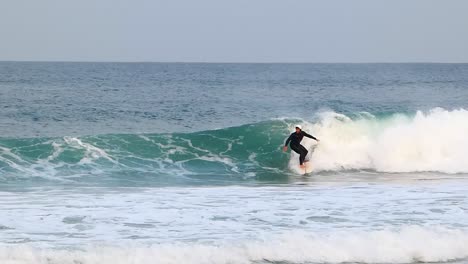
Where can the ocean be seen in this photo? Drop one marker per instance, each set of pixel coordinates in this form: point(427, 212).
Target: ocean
point(119, 163)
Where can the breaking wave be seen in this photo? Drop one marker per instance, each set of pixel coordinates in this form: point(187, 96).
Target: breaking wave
point(425, 141)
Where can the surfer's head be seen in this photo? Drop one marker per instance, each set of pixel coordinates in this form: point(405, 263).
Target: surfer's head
point(298, 128)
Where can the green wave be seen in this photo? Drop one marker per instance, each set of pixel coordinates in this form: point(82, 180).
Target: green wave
point(249, 152)
point(245, 154)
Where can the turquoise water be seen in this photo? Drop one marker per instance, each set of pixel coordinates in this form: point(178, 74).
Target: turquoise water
point(183, 163)
point(238, 155)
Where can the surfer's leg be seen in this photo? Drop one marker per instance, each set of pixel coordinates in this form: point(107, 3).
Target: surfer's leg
point(296, 149)
point(302, 154)
point(299, 149)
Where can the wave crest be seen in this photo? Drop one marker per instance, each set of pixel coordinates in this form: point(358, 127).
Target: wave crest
point(432, 141)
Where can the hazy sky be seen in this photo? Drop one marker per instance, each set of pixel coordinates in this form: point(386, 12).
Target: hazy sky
point(235, 30)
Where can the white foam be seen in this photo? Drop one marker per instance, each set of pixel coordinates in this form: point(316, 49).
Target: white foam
point(42, 168)
point(13, 160)
point(214, 157)
point(407, 245)
point(428, 141)
point(91, 154)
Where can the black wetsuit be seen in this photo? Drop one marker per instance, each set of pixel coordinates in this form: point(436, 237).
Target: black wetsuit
point(295, 139)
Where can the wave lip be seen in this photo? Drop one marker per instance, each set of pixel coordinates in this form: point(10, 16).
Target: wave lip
point(407, 245)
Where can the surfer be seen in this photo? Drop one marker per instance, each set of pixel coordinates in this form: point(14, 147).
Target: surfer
point(295, 138)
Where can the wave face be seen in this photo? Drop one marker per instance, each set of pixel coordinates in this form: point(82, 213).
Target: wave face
point(220, 155)
point(425, 141)
point(408, 245)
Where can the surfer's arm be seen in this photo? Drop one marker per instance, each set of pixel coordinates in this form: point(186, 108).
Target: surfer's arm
point(285, 148)
point(287, 141)
point(309, 136)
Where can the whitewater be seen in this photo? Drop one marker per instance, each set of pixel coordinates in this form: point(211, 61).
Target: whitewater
point(400, 221)
point(427, 141)
point(129, 163)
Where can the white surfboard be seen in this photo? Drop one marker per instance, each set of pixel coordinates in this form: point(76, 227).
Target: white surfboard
point(308, 167)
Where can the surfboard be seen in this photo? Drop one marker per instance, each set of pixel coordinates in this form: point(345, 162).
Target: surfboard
point(308, 167)
point(294, 162)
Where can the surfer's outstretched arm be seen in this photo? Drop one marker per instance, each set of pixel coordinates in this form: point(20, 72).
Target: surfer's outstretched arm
point(309, 136)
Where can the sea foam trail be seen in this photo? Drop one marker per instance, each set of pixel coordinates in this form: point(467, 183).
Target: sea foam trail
point(428, 141)
point(408, 245)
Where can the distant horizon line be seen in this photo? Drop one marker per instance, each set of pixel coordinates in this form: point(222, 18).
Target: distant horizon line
point(227, 62)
